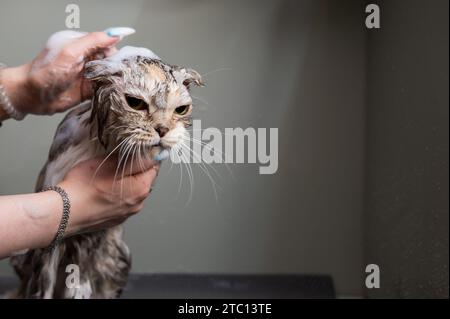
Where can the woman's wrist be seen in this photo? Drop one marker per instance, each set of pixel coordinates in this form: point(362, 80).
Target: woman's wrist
point(3, 115)
point(43, 214)
point(16, 83)
point(86, 210)
point(75, 198)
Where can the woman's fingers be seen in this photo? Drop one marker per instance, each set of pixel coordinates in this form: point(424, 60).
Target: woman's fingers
point(138, 166)
point(91, 44)
point(104, 195)
point(140, 186)
point(136, 175)
point(108, 166)
point(86, 90)
point(110, 51)
point(133, 181)
point(86, 86)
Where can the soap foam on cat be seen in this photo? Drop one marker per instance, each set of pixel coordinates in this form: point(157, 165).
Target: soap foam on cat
point(128, 52)
point(114, 63)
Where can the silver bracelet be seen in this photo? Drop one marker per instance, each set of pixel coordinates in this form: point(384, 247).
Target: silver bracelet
point(65, 216)
point(5, 102)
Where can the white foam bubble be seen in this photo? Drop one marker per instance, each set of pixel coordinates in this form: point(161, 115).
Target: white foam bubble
point(129, 52)
point(114, 63)
point(58, 40)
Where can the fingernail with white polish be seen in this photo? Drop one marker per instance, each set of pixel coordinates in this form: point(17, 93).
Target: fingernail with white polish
point(119, 31)
point(162, 155)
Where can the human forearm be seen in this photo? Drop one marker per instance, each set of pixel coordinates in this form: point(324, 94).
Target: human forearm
point(31, 220)
point(28, 221)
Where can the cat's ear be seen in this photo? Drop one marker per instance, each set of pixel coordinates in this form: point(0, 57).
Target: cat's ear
point(97, 69)
point(190, 76)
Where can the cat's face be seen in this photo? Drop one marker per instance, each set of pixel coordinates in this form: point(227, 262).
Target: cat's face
point(141, 101)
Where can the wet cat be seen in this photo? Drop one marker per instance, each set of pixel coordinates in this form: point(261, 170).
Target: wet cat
point(141, 106)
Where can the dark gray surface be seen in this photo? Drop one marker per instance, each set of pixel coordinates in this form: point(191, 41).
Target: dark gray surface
point(218, 286)
point(406, 226)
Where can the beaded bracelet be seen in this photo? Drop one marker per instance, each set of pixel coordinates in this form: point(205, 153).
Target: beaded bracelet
point(5, 102)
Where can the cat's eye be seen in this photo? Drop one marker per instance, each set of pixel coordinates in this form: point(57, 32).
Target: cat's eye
point(182, 110)
point(136, 103)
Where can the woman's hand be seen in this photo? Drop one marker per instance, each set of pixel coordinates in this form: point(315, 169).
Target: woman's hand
point(102, 198)
point(51, 84)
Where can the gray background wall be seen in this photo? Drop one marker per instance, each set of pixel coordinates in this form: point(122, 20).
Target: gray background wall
point(298, 66)
point(301, 66)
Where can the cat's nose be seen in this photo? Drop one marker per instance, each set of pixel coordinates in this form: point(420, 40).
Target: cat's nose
point(162, 130)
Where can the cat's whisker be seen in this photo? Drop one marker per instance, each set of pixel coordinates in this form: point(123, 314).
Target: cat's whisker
point(199, 157)
point(145, 153)
point(141, 155)
point(106, 158)
point(175, 152)
point(223, 155)
point(206, 145)
point(220, 154)
point(122, 155)
point(204, 169)
point(199, 99)
point(215, 71)
point(191, 178)
point(118, 127)
point(181, 176)
point(203, 165)
point(124, 166)
point(171, 165)
point(205, 129)
point(184, 160)
point(132, 158)
point(188, 139)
